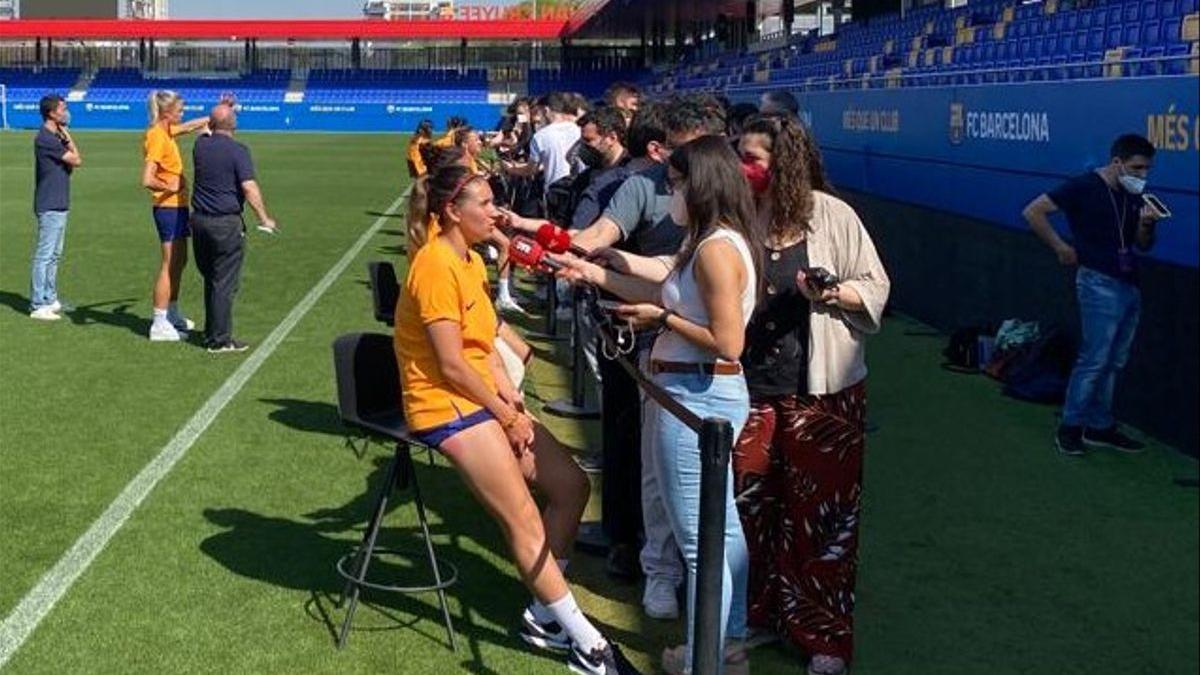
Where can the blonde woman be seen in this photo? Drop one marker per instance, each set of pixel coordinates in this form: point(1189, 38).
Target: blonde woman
point(162, 175)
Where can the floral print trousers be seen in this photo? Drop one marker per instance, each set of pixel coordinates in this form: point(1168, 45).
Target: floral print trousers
point(798, 483)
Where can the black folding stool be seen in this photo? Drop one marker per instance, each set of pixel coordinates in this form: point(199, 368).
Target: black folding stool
point(368, 384)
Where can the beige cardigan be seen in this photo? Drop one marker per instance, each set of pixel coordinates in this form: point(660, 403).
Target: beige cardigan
point(838, 242)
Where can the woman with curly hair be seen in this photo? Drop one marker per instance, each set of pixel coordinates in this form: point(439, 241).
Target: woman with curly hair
point(798, 462)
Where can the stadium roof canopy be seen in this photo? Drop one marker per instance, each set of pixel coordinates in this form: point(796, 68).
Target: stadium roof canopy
point(626, 18)
point(301, 29)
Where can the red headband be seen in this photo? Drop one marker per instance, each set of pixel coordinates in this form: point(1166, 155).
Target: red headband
point(462, 183)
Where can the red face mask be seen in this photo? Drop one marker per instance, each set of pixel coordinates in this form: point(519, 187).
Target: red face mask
point(758, 176)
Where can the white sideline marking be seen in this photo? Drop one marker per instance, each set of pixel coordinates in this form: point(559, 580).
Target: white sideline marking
point(55, 583)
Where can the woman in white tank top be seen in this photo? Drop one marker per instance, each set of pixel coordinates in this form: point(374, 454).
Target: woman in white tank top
point(702, 299)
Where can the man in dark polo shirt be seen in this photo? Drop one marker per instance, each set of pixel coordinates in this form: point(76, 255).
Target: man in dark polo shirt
point(55, 156)
point(1108, 221)
point(223, 182)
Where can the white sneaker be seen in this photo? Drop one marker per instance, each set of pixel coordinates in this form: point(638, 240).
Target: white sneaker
point(162, 331)
point(180, 322)
point(45, 313)
point(59, 307)
point(509, 305)
point(659, 599)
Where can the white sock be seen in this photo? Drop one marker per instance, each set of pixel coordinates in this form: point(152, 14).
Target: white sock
point(568, 615)
point(505, 289)
point(160, 315)
point(536, 608)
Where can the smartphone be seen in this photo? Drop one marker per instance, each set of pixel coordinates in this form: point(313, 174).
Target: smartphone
point(820, 278)
point(1156, 205)
point(608, 305)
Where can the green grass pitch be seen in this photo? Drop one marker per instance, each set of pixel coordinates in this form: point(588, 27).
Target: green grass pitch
point(983, 551)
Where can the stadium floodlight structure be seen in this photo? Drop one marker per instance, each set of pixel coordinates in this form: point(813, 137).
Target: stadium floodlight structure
point(408, 10)
point(147, 9)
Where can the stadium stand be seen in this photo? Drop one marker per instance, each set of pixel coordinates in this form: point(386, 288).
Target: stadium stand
point(990, 41)
point(31, 83)
point(396, 85)
point(124, 84)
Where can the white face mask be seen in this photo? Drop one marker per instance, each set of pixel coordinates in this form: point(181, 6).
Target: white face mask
point(1132, 184)
point(522, 119)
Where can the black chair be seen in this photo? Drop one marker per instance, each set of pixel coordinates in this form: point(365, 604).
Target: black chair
point(385, 290)
point(368, 384)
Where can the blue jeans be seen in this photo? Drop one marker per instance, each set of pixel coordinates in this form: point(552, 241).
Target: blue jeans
point(677, 468)
point(1109, 311)
point(43, 284)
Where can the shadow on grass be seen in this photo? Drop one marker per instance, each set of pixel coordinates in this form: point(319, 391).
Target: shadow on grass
point(114, 313)
point(316, 417)
point(300, 554)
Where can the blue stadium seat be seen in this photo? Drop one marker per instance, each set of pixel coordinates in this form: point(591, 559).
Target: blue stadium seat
point(1151, 34)
point(1171, 30)
point(1149, 10)
point(1187, 7)
point(1168, 8)
point(1112, 38)
point(1114, 16)
point(1131, 35)
point(1133, 12)
point(1096, 39)
point(1070, 21)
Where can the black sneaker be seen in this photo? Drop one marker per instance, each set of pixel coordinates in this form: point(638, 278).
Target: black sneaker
point(227, 347)
point(549, 636)
point(605, 661)
point(1069, 441)
point(1111, 438)
point(623, 563)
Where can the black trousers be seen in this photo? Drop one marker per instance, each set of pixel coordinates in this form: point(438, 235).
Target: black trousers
point(218, 242)
point(621, 454)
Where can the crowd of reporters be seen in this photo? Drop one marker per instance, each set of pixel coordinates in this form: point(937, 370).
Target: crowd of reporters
point(713, 233)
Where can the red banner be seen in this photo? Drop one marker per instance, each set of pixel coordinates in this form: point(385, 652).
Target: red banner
point(263, 29)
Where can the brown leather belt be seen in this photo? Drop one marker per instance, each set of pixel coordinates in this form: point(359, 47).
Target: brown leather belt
point(657, 367)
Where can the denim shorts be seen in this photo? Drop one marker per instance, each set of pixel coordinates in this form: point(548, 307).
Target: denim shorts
point(172, 223)
point(437, 435)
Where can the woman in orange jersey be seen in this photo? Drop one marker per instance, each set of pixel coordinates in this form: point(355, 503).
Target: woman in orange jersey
point(458, 399)
point(162, 175)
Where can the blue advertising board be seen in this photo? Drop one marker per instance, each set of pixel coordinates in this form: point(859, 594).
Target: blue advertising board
point(372, 117)
point(985, 151)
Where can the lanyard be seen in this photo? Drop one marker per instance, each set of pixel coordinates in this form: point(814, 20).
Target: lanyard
point(1119, 213)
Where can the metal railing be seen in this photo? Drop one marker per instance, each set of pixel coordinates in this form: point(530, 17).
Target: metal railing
point(967, 77)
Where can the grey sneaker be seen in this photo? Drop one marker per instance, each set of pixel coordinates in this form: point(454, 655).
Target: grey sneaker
point(228, 347)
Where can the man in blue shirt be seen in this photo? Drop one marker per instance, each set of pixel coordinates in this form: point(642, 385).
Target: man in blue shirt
point(55, 156)
point(1108, 220)
point(224, 180)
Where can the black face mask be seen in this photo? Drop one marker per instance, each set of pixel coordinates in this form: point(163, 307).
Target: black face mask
point(591, 157)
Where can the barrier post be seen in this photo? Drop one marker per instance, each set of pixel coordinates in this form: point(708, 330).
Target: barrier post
point(576, 407)
point(551, 333)
point(716, 446)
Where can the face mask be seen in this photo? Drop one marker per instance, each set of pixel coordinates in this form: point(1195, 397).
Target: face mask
point(758, 176)
point(66, 119)
point(522, 119)
point(1132, 184)
point(677, 209)
point(591, 157)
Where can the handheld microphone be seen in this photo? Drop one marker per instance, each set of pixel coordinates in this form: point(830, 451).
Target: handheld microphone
point(530, 254)
point(557, 240)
